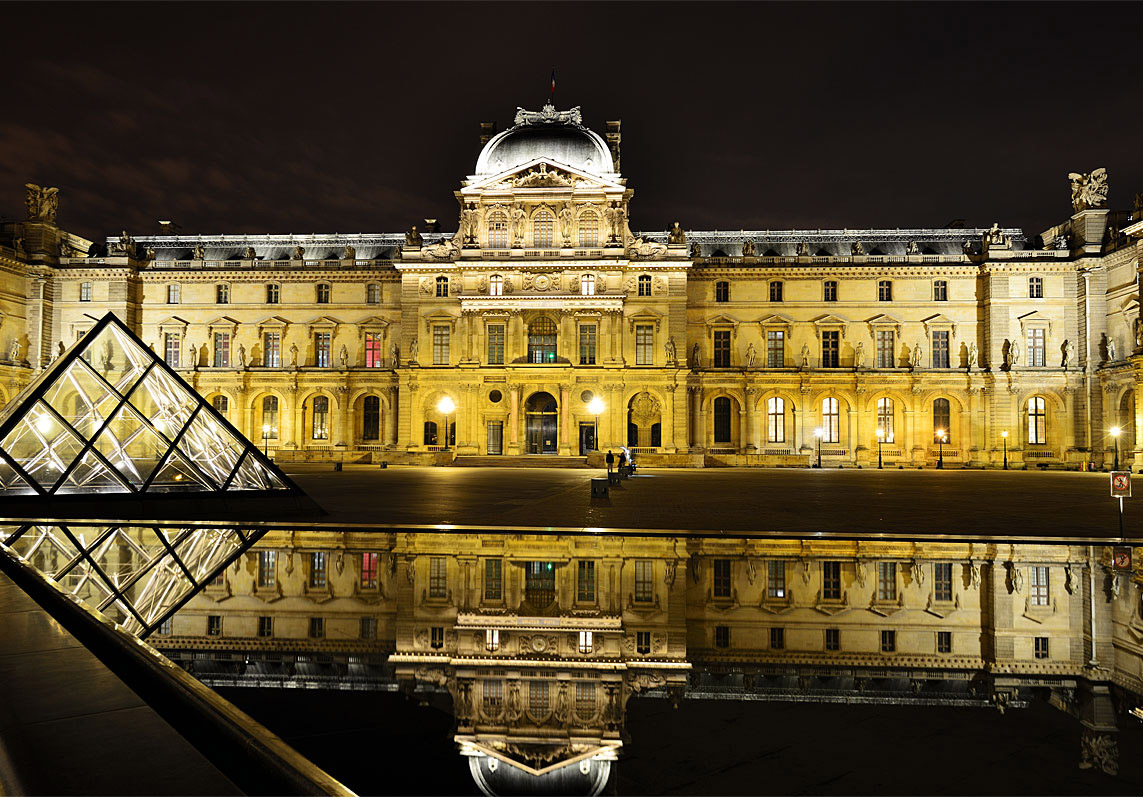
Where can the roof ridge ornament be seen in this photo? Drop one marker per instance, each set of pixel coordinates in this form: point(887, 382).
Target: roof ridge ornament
point(548, 115)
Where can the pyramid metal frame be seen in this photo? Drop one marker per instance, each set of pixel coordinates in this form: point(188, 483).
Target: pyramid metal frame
point(149, 406)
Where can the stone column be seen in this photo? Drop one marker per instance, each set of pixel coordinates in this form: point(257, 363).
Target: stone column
point(565, 420)
point(905, 434)
point(667, 419)
point(514, 420)
point(695, 394)
point(851, 431)
point(391, 418)
point(348, 433)
point(805, 432)
point(1069, 421)
point(614, 321)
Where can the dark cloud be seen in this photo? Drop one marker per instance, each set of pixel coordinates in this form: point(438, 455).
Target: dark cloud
point(364, 117)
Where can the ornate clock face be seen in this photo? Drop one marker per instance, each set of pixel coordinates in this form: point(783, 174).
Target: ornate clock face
point(543, 282)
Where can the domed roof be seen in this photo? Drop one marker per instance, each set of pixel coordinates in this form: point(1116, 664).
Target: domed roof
point(558, 136)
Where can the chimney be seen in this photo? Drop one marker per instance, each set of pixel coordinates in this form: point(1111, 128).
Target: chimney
point(613, 139)
point(487, 131)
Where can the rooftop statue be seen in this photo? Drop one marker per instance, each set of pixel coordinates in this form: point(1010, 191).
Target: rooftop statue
point(856, 248)
point(469, 219)
point(299, 253)
point(995, 236)
point(248, 253)
point(1088, 190)
point(349, 253)
point(676, 236)
point(911, 248)
point(413, 238)
point(641, 247)
point(803, 249)
point(198, 252)
point(548, 115)
point(748, 248)
point(696, 250)
point(42, 203)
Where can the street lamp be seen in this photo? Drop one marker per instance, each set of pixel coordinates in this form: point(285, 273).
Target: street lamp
point(941, 448)
point(880, 440)
point(595, 407)
point(445, 406)
point(1004, 437)
point(1115, 436)
point(818, 434)
point(266, 429)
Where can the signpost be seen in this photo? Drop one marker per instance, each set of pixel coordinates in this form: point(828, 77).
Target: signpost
point(1121, 488)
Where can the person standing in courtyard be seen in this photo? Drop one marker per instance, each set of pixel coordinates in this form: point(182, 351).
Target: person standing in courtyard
point(610, 459)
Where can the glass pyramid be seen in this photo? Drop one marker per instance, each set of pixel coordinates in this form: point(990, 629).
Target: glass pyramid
point(110, 417)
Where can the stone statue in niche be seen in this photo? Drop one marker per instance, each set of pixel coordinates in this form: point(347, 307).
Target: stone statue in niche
point(805, 355)
point(293, 355)
point(973, 354)
point(1069, 354)
point(469, 221)
point(14, 350)
point(566, 215)
point(1112, 354)
point(676, 236)
point(1013, 354)
point(343, 357)
point(670, 349)
point(241, 356)
point(193, 356)
point(752, 355)
point(915, 355)
point(695, 357)
point(413, 350)
point(393, 353)
point(1137, 328)
point(518, 217)
point(859, 355)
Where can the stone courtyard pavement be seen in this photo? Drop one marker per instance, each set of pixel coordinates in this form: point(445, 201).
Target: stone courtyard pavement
point(1004, 504)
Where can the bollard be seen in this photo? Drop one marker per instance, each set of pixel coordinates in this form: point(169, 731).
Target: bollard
point(384, 465)
point(599, 488)
point(613, 478)
point(624, 471)
point(337, 466)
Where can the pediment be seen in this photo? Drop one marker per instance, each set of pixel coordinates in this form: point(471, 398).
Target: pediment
point(940, 319)
point(324, 321)
point(722, 321)
point(173, 321)
point(883, 320)
point(775, 320)
point(273, 321)
point(645, 316)
point(223, 321)
point(542, 173)
point(440, 315)
point(373, 321)
point(1034, 315)
point(830, 320)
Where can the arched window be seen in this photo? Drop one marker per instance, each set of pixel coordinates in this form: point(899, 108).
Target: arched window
point(941, 419)
point(323, 291)
point(222, 294)
point(496, 285)
point(221, 404)
point(885, 418)
point(589, 229)
point(498, 230)
point(373, 293)
point(776, 417)
point(371, 418)
point(587, 285)
point(644, 284)
point(270, 417)
point(722, 420)
point(430, 433)
point(442, 287)
point(1037, 421)
point(543, 226)
point(542, 340)
point(321, 418)
point(722, 291)
point(831, 421)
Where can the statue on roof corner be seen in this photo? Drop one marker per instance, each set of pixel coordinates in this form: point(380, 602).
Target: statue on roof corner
point(42, 202)
point(1088, 190)
point(413, 239)
point(676, 236)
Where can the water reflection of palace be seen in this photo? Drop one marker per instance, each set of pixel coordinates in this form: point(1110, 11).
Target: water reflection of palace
point(541, 641)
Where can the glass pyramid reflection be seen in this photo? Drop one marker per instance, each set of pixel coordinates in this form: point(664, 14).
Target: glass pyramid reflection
point(109, 416)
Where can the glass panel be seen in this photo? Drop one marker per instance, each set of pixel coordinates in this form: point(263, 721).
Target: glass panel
point(42, 446)
point(12, 482)
point(125, 553)
point(204, 550)
point(253, 475)
point(117, 358)
point(178, 475)
point(46, 547)
point(131, 446)
point(165, 403)
point(91, 475)
point(81, 399)
point(211, 447)
point(84, 584)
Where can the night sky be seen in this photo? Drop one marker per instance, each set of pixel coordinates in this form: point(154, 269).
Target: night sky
point(300, 118)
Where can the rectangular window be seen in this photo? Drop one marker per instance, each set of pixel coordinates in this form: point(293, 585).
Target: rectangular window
point(1036, 349)
point(320, 425)
point(374, 358)
point(644, 344)
point(587, 334)
point(1035, 287)
point(777, 638)
point(833, 639)
point(831, 421)
point(886, 581)
point(776, 581)
point(272, 349)
point(318, 578)
point(85, 291)
point(438, 584)
point(323, 293)
point(722, 348)
point(1041, 595)
point(493, 580)
point(273, 293)
point(368, 628)
point(775, 420)
point(1041, 647)
point(775, 348)
point(585, 699)
point(888, 641)
point(722, 578)
point(585, 582)
point(942, 581)
point(165, 627)
point(267, 568)
point(829, 291)
point(265, 626)
point(831, 581)
point(317, 627)
point(436, 639)
point(214, 625)
point(944, 641)
point(370, 570)
point(940, 291)
point(884, 291)
point(538, 698)
point(722, 291)
point(644, 580)
point(172, 346)
point(831, 348)
point(221, 349)
point(885, 350)
point(940, 348)
point(322, 345)
point(492, 639)
point(586, 642)
point(493, 695)
point(172, 294)
point(440, 345)
point(373, 293)
point(775, 291)
point(643, 642)
point(721, 636)
point(222, 294)
point(495, 344)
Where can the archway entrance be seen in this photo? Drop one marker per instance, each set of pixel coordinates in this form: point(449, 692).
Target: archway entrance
point(644, 421)
point(541, 419)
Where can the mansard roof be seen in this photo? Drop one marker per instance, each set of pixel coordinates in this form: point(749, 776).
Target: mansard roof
point(368, 246)
point(839, 243)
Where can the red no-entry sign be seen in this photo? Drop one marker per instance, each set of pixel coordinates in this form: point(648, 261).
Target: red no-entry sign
point(1121, 484)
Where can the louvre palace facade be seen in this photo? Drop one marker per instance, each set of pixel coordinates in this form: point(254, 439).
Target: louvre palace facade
point(702, 347)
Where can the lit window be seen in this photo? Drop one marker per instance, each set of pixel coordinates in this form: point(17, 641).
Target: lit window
point(1041, 595)
point(221, 405)
point(267, 568)
point(496, 285)
point(775, 291)
point(940, 291)
point(318, 578)
point(542, 228)
point(221, 349)
point(165, 627)
point(542, 340)
point(644, 285)
point(885, 344)
point(493, 695)
point(589, 229)
point(85, 291)
point(438, 584)
point(172, 347)
point(775, 348)
point(721, 578)
point(942, 416)
point(495, 344)
point(644, 581)
point(442, 287)
point(538, 698)
point(831, 421)
point(272, 349)
point(884, 291)
point(323, 343)
point(172, 294)
point(777, 638)
point(886, 581)
point(1036, 421)
point(831, 581)
point(373, 355)
point(776, 579)
point(323, 293)
point(498, 230)
point(776, 420)
point(585, 642)
point(441, 345)
point(1036, 348)
point(222, 294)
point(942, 581)
point(317, 627)
point(273, 292)
point(587, 341)
point(587, 285)
point(492, 639)
point(373, 293)
point(644, 344)
point(320, 425)
point(270, 417)
point(722, 291)
point(885, 418)
point(1035, 287)
point(368, 628)
point(585, 699)
point(888, 641)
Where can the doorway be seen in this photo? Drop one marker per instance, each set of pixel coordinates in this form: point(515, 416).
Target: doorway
point(541, 420)
point(586, 438)
point(495, 437)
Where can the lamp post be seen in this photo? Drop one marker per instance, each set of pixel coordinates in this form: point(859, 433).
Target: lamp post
point(940, 449)
point(818, 434)
point(880, 440)
point(445, 406)
point(265, 437)
point(1004, 437)
point(596, 407)
point(1115, 436)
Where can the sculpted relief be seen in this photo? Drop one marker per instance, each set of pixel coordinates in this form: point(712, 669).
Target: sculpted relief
point(42, 202)
point(1088, 190)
